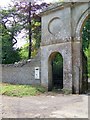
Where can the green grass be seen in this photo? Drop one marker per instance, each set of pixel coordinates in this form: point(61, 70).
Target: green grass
point(20, 90)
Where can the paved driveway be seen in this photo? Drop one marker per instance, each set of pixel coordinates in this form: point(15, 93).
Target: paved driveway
point(46, 106)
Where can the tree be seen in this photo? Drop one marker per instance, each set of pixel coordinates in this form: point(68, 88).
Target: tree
point(30, 31)
point(17, 18)
point(11, 26)
point(32, 22)
point(9, 54)
point(86, 35)
point(86, 42)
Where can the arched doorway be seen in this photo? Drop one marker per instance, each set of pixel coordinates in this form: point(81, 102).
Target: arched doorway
point(86, 54)
point(55, 71)
point(82, 35)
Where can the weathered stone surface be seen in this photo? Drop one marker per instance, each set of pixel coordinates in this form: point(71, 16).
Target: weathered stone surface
point(52, 24)
point(61, 32)
point(65, 51)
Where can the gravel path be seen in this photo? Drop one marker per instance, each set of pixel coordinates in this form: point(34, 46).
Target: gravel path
point(45, 106)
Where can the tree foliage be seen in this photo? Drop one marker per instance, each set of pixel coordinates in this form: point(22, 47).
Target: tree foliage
point(58, 64)
point(13, 21)
point(9, 54)
point(32, 22)
point(11, 26)
point(86, 35)
point(86, 42)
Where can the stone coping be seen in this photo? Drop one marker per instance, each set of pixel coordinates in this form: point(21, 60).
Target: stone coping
point(53, 7)
point(22, 62)
point(17, 64)
point(61, 5)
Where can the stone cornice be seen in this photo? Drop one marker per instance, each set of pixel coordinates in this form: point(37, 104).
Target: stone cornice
point(58, 6)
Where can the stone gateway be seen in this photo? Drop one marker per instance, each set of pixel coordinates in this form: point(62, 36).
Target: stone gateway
point(61, 32)
point(62, 25)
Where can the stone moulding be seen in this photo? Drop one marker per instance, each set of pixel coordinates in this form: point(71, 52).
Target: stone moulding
point(60, 5)
point(80, 23)
point(17, 64)
point(50, 24)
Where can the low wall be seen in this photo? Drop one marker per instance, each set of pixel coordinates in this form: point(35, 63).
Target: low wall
point(22, 72)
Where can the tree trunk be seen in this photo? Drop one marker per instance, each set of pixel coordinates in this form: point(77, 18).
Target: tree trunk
point(30, 32)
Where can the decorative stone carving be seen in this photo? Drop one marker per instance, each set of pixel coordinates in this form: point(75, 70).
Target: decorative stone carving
point(55, 25)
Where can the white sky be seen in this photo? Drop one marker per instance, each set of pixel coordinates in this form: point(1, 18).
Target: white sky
point(4, 2)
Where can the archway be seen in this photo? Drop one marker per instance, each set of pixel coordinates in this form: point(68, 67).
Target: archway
point(55, 71)
point(67, 40)
point(86, 54)
point(80, 36)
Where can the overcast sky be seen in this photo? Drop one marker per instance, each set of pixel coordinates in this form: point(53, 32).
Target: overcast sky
point(4, 2)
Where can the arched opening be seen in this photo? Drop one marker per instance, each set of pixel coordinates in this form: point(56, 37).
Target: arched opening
point(86, 54)
point(55, 71)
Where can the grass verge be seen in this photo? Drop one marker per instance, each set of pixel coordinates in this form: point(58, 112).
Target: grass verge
point(20, 90)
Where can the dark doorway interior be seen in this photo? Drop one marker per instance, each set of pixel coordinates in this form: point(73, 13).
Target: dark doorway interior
point(57, 71)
